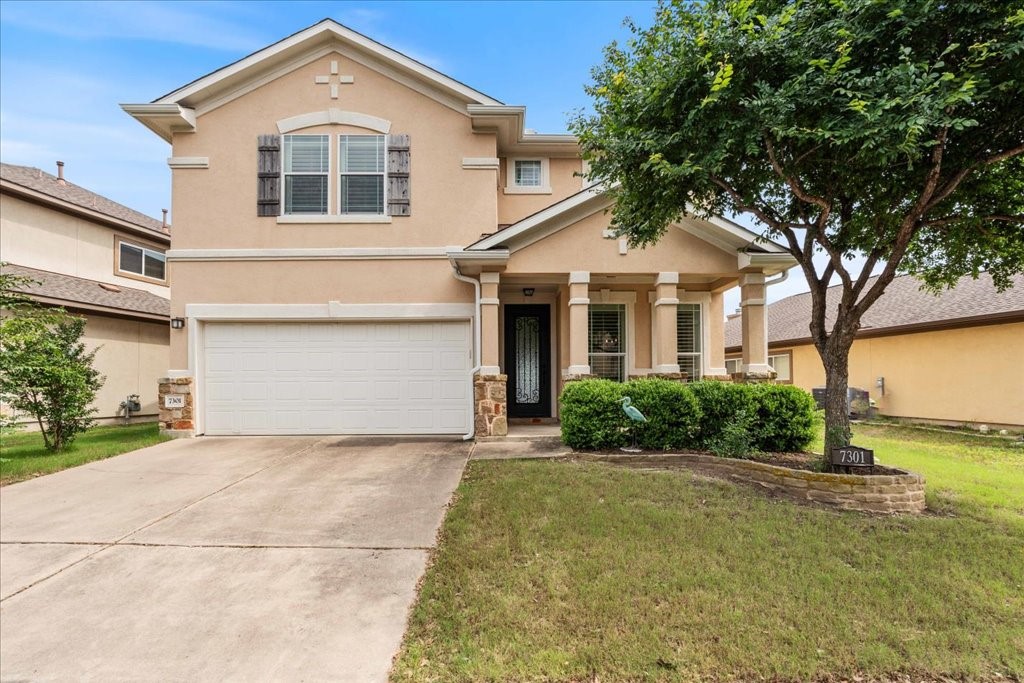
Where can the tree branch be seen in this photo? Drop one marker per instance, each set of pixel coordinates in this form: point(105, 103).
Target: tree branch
point(793, 183)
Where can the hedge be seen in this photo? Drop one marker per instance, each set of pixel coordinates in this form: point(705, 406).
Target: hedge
point(685, 416)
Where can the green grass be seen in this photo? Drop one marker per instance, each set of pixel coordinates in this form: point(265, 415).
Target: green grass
point(23, 456)
point(562, 571)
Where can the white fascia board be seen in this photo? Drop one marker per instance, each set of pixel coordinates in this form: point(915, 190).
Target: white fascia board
point(164, 119)
point(744, 234)
point(459, 255)
point(768, 262)
point(315, 33)
point(523, 227)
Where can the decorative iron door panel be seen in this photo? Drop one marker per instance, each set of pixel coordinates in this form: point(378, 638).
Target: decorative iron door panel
point(528, 359)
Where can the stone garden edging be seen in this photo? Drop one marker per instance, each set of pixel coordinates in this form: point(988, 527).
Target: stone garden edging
point(899, 492)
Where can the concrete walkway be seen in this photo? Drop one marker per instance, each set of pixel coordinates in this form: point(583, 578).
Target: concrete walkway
point(221, 558)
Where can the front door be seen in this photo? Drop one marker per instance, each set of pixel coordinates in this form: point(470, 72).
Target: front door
point(528, 359)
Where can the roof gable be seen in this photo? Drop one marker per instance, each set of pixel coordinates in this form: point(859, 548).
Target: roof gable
point(311, 43)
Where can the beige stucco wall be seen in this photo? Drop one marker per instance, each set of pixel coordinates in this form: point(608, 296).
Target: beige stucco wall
point(971, 374)
point(216, 207)
point(563, 182)
point(132, 355)
point(34, 236)
point(677, 251)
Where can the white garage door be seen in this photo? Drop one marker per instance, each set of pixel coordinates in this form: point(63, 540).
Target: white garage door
point(337, 378)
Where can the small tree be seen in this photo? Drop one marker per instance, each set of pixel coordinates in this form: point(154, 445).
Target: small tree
point(888, 130)
point(45, 370)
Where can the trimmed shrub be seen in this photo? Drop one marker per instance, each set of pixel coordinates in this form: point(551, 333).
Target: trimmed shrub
point(720, 403)
point(592, 418)
point(785, 417)
point(734, 441)
point(673, 414)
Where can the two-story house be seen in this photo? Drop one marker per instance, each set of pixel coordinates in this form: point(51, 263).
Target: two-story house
point(98, 259)
point(363, 245)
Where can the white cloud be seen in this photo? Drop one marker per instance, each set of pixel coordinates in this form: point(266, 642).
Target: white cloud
point(183, 23)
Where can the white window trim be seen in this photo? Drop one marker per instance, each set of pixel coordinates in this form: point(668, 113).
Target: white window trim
point(355, 217)
point(607, 296)
point(333, 188)
point(510, 176)
point(702, 298)
point(285, 174)
point(144, 249)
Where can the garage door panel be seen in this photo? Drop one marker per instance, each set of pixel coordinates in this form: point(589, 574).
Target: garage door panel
point(336, 378)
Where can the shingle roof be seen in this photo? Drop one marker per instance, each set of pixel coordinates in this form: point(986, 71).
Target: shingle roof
point(72, 290)
point(903, 303)
point(35, 179)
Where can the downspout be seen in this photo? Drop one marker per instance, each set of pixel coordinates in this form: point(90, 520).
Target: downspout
point(783, 276)
point(476, 345)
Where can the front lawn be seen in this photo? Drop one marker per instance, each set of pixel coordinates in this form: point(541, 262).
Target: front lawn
point(562, 571)
point(23, 456)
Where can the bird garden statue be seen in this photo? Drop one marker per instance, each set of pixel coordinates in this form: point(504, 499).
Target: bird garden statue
point(635, 418)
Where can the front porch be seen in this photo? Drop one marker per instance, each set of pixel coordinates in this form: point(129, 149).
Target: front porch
point(539, 331)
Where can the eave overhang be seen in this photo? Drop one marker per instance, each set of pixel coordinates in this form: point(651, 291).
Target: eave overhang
point(508, 122)
point(164, 119)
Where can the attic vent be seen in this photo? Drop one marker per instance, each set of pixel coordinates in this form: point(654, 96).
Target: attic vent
point(109, 288)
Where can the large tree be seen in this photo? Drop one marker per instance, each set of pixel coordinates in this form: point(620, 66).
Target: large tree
point(886, 131)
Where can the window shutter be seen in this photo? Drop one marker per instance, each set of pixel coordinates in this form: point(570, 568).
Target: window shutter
point(398, 176)
point(268, 176)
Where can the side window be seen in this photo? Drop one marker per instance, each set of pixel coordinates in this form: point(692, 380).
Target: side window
point(306, 165)
point(135, 259)
point(688, 340)
point(528, 173)
point(607, 324)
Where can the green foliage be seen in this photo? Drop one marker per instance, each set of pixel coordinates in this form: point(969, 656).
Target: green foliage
point(735, 440)
point(800, 112)
point(46, 372)
point(11, 297)
point(592, 418)
point(720, 403)
point(672, 412)
point(785, 417)
point(780, 417)
point(776, 417)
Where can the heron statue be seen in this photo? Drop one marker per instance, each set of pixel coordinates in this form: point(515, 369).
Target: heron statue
point(635, 417)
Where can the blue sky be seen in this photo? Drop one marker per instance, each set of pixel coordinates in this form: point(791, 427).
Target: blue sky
point(66, 66)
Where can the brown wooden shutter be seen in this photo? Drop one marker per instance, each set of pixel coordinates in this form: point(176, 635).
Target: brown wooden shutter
point(399, 162)
point(268, 176)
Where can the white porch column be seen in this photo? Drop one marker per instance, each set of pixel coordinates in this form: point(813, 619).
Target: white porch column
point(716, 335)
point(754, 325)
point(666, 309)
point(489, 361)
point(579, 309)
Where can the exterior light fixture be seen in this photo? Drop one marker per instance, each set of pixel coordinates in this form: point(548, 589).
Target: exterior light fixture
point(528, 291)
point(177, 323)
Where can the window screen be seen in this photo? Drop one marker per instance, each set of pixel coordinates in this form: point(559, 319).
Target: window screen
point(608, 341)
point(362, 172)
point(306, 164)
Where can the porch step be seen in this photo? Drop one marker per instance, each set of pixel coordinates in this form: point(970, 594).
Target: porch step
point(539, 440)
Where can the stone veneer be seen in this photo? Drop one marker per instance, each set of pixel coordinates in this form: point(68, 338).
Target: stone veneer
point(490, 397)
point(901, 491)
point(176, 422)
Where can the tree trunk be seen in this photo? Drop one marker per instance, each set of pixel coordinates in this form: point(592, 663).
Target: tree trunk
point(835, 358)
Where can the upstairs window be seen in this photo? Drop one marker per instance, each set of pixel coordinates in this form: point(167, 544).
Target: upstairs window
point(688, 340)
point(306, 165)
point(528, 172)
point(362, 171)
point(133, 259)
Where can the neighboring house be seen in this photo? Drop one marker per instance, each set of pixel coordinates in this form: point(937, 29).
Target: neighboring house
point(951, 357)
point(95, 258)
point(357, 237)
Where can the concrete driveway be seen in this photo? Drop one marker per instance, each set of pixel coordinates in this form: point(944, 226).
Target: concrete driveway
point(284, 558)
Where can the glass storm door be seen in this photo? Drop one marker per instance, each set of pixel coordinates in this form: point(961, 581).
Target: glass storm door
point(528, 360)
